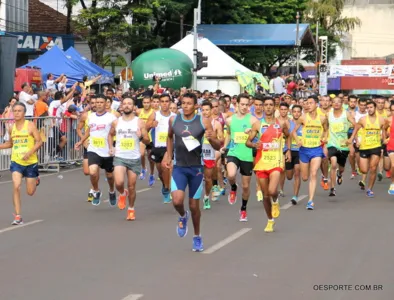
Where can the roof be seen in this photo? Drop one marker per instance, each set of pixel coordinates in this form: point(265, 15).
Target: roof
point(220, 64)
point(43, 18)
point(256, 34)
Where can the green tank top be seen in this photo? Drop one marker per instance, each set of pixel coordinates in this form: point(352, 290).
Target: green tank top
point(237, 147)
point(338, 129)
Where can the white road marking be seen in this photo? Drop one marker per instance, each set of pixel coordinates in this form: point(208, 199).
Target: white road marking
point(46, 175)
point(19, 226)
point(227, 241)
point(288, 205)
point(133, 297)
point(137, 192)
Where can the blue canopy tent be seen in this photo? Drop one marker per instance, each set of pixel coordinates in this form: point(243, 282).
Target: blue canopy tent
point(106, 76)
point(56, 62)
point(279, 35)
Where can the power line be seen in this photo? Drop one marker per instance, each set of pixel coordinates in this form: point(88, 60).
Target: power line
point(6, 4)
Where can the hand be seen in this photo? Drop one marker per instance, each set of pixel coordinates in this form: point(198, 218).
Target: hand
point(77, 145)
point(155, 123)
point(222, 150)
point(139, 133)
point(358, 144)
point(166, 162)
point(324, 141)
point(349, 141)
point(288, 156)
point(299, 143)
point(27, 155)
point(208, 134)
point(248, 130)
point(112, 151)
point(257, 145)
point(386, 141)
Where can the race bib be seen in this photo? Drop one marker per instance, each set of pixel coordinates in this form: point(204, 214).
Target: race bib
point(162, 137)
point(190, 142)
point(271, 159)
point(240, 137)
point(338, 127)
point(127, 144)
point(98, 142)
point(372, 139)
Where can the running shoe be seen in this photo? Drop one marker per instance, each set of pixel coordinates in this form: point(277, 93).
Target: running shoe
point(198, 245)
point(270, 226)
point(166, 195)
point(243, 216)
point(90, 197)
point(215, 193)
point(361, 184)
point(370, 194)
point(152, 180)
point(275, 209)
point(222, 192)
point(259, 196)
point(325, 185)
point(225, 181)
point(207, 204)
point(112, 199)
point(339, 177)
point(38, 181)
point(232, 197)
point(294, 200)
point(122, 200)
point(354, 175)
point(17, 220)
point(380, 176)
point(181, 228)
point(96, 198)
point(391, 189)
point(333, 193)
point(143, 174)
point(130, 214)
point(310, 205)
point(281, 193)
point(388, 174)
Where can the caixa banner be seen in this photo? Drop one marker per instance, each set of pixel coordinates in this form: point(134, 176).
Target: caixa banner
point(42, 42)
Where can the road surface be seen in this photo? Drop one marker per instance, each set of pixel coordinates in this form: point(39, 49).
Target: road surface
point(71, 250)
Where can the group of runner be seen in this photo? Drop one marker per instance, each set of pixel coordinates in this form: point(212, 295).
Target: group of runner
point(210, 142)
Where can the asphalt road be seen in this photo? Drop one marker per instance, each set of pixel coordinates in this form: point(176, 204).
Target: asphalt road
point(70, 250)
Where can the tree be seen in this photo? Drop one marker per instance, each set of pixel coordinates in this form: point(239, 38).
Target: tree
point(69, 4)
point(328, 13)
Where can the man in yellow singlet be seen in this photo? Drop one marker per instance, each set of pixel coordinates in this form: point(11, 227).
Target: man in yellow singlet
point(324, 108)
point(314, 134)
point(370, 143)
point(381, 111)
point(25, 141)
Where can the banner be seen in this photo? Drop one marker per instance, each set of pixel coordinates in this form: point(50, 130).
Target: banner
point(7, 68)
point(361, 71)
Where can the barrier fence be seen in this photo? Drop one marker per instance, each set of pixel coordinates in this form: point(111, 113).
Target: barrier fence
point(59, 137)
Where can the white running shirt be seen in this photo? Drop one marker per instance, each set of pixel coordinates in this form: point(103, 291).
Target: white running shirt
point(100, 125)
point(161, 130)
point(127, 142)
point(208, 153)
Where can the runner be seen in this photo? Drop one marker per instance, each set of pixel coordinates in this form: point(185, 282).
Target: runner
point(382, 112)
point(83, 125)
point(269, 161)
point(25, 141)
point(293, 166)
point(370, 144)
point(323, 110)
point(352, 153)
point(389, 126)
point(361, 112)
point(158, 123)
point(144, 114)
point(339, 121)
point(129, 131)
point(314, 134)
point(209, 154)
point(258, 112)
point(185, 135)
point(284, 117)
point(99, 125)
point(239, 156)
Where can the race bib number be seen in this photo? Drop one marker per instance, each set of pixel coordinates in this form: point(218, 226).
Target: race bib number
point(190, 142)
point(372, 139)
point(162, 138)
point(127, 144)
point(338, 127)
point(240, 138)
point(271, 159)
point(98, 142)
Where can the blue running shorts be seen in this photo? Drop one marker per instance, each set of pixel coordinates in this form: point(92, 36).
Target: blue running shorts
point(188, 176)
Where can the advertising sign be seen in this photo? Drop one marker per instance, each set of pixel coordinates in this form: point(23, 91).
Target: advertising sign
point(33, 42)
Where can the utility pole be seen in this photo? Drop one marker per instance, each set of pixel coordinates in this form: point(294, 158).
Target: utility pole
point(323, 66)
point(182, 18)
point(197, 20)
point(317, 47)
point(298, 43)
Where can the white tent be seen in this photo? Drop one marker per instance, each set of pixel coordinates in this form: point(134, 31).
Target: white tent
point(220, 73)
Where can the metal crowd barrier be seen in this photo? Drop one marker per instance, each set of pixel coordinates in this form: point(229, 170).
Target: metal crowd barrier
point(55, 133)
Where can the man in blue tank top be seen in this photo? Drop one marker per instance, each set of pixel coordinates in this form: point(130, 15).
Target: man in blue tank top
point(185, 138)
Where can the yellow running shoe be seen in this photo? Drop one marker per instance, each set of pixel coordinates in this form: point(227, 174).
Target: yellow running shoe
point(275, 209)
point(90, 197)
point(270, 226)
point(259, 196)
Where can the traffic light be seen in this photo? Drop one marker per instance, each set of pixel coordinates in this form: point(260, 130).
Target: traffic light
point(202, 61)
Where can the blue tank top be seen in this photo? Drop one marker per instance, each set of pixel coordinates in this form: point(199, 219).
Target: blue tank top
point(188, 132)
point(293, 146)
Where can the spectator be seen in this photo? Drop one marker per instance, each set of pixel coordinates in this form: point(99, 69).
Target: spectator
point(51, 82)
point(41, 106)
point(25, 96)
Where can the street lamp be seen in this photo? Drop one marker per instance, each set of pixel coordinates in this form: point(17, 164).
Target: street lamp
point(113, 59)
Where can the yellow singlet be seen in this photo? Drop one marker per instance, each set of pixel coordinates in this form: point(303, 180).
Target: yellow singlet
point(384, 114)
point(370, 137)
point(312, 132)
point(22, 142)
point(145, 116)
